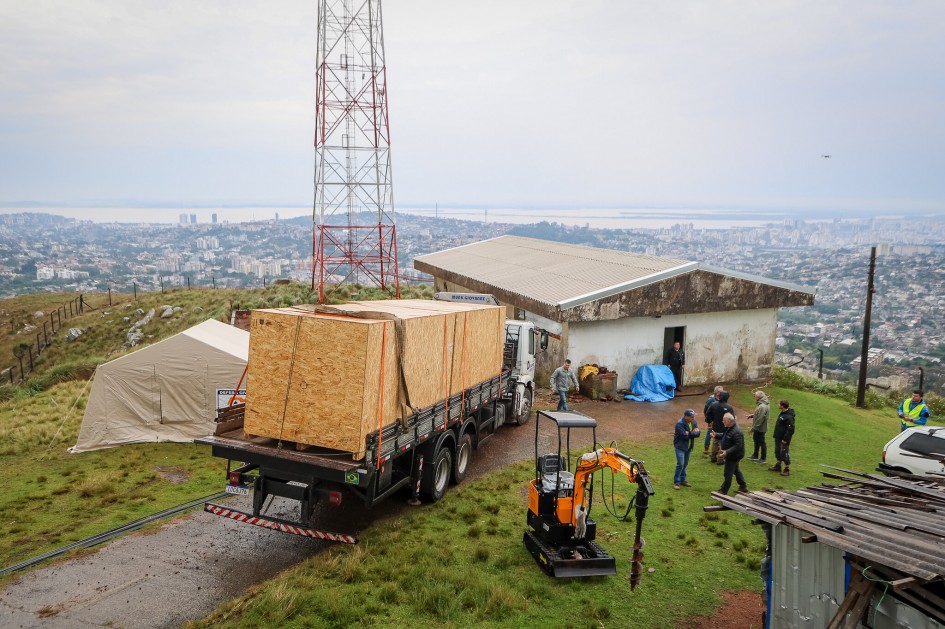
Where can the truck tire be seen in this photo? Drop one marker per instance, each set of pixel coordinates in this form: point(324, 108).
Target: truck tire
point(463, 457)
point(522, 418)
point(438, 478)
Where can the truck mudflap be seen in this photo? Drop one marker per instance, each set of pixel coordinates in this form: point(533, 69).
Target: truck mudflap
point(278, 525)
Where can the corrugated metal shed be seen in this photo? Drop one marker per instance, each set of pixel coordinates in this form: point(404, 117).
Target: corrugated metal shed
point(571, 282)
point(807, 580)
point(889, 530)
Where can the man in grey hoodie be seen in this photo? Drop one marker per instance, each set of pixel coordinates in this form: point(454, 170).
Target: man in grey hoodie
point(759, 427)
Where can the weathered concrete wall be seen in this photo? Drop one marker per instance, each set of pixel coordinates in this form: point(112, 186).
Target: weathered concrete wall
point(734, 346)
point(695, 292)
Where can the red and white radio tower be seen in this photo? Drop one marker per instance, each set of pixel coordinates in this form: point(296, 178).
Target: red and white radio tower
point(354, 229)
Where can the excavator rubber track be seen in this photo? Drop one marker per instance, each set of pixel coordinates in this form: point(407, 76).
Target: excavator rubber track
point(592, 559)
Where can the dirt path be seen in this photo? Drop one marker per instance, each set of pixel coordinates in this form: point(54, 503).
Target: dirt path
point(187, 568)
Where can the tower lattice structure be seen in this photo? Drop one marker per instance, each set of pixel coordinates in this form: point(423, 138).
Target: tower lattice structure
point(354, 228)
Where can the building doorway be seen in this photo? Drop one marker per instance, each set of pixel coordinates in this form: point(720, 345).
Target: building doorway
point(671, 336)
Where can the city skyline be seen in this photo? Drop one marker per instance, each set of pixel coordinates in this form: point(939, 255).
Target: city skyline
point(527, 104)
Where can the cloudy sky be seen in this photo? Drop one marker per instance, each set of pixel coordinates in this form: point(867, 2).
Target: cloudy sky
point(511, 103)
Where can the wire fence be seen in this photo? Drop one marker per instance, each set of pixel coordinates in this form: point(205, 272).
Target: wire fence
point(26, 353)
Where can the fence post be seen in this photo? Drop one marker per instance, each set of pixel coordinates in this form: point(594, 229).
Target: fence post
point(81, 303)
point(188, 282)
point(135, 286)
point(30, 350)
point(109, 295)
point(162, 284)
point(39, 345)
point(214, 280)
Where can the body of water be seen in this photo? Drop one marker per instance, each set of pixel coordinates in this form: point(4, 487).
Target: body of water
point(600, 218)
point(605, 218)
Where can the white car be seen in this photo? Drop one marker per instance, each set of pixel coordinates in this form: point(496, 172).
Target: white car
point(918, 450)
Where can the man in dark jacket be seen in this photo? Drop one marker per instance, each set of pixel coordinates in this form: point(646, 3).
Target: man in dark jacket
point(714, 419)
point(683, 437)
point(732, 452)
point(675, 359)
point(705, 414)
point(783, 432)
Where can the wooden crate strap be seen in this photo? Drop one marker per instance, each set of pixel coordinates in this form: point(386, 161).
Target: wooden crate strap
point(236, 391)
point(288, 384)
point(380, 399)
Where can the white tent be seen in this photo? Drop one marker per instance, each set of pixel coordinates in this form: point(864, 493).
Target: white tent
point(168, 391)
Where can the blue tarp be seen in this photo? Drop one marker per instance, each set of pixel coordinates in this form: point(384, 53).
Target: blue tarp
point(652, 383)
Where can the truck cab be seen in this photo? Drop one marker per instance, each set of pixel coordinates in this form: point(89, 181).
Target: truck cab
point(520, 352)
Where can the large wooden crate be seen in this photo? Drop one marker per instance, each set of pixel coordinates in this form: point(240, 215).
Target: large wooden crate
point(328, 377)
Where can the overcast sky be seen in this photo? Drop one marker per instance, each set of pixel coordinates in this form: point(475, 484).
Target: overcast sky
point(511, 103)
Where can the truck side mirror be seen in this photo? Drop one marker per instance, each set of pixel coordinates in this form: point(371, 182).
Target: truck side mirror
point(543, 340)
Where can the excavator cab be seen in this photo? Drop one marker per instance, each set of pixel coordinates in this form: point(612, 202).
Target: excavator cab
point(562, 533)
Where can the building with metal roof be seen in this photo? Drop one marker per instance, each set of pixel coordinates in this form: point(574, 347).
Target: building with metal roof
point(624, 310)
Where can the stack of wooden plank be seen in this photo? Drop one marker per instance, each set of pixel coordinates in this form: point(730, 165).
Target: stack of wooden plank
point(330, 376)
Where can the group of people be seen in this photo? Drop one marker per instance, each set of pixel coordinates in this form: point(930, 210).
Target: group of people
point(724, 442)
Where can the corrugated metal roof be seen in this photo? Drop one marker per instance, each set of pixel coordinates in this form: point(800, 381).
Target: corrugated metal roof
point(887, 530)
point(561, 274)
point(871, 516)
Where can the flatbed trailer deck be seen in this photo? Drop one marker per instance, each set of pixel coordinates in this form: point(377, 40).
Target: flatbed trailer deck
point(425, 452)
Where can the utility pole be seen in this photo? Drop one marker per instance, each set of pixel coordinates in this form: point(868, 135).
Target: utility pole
point(864, 351)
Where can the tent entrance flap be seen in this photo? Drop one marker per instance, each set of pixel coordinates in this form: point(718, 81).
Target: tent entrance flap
point(182, 386)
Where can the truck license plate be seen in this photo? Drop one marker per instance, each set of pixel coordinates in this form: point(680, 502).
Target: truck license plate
point(239, 490)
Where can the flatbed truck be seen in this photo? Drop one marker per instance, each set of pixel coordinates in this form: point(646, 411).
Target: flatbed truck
point(426, 453)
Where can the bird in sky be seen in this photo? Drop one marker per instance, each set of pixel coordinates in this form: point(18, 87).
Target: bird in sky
point(825, 156)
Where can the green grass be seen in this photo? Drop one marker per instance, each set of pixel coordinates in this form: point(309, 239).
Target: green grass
point(461, 563)
point(51, 498)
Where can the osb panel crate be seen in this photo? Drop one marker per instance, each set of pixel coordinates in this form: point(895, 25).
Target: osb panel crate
point(315, 377)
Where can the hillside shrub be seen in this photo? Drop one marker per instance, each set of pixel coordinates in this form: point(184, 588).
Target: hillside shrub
point(785, 377)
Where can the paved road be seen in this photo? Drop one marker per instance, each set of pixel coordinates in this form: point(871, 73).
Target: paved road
point(187, 568)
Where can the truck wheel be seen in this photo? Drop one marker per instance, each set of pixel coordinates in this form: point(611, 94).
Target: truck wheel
point(522, 418)
point(463, 456)
point(438, 478)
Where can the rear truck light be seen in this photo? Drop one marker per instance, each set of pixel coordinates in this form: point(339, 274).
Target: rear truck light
point(884, 456)
point(334, 498)
point(234, 478)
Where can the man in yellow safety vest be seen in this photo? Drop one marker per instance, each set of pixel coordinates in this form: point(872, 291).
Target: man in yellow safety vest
point(913, 411)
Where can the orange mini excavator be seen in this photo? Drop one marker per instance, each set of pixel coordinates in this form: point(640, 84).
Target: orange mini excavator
point(559, 503)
